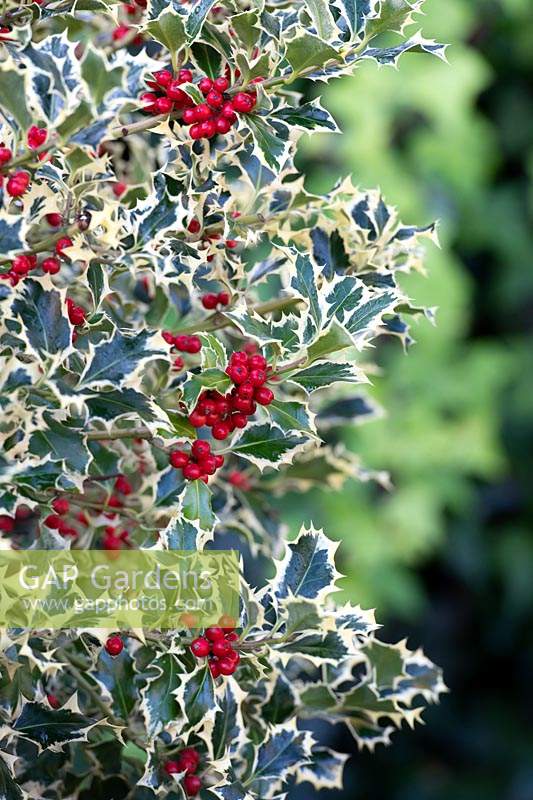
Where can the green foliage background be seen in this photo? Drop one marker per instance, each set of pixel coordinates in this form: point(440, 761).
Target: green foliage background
point(452, 545)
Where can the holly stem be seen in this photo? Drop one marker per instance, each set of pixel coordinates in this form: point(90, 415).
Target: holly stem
point(120, 433)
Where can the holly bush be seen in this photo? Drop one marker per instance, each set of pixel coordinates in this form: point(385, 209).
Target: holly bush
point(177, 310)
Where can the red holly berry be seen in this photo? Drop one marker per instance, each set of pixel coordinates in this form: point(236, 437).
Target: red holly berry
point(123, 485)
point(257, 377)
point(214, 633)
point(163, 77)
point(190, 753)
point(36, 137)
point(53, 521)
point(264, 396)
point(237, 372)
point(226, 666)
point(5, 155)
point(200, 448)
point(214, 98)
point(257, 361)
point(205, 85)
point(18, 183)
point(195, 131)
point(53, 702)
point(231, 243)
point(21, 265)
point(223, 298)
point(243, 103)
point(119, 188)
point(114, 645)
point(197, 419)
point(179, 459)
point(219, 461)
point(192, 785)
point(223, 125)
point(7, 523)
point(246, 391)
point(62, 244)
point(185, 75)
point(213, 667)
point(175, 93)
point(220, 648)
point(192, 472)
point(200, 647)
point(54, 219)
point(163, 105)
point(210, 301)
point(61, 506)
point(239, 480)
point(194, 344)
point(221, 85)
point(172, 768)
point(194, 226)
point(51, 265)
point(76, 314)
point(220, 431)
point(208, 129)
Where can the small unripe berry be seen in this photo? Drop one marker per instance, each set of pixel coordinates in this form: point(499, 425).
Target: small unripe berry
point(264, 396)
point(200, 647)
point(114, 646)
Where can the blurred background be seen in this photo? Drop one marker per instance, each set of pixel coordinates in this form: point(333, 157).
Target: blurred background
point(447, 557)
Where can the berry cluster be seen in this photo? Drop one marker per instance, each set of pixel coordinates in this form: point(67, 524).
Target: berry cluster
point(216, 115)
point(114, 646)
point(21, 265)
point(188, 761)
point(210, 300)
point(183, 343)
point(199, 464)
point(223, 414)
point(217, 645)
point(57, 521)
point(113, 541)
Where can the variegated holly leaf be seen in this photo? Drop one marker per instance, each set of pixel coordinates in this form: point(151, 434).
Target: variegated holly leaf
point(308, 568)
point(196, 697)
point(279, 755)
point(117, 677)
point(267, 445)
point(196, 504)
point(325, 770)
point(43, 314)
point(112, 363)
point(326, 373)
point(51, 728)
point(158, 697)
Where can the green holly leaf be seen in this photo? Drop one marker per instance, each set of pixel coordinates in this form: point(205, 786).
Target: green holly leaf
point(309, 51)
point(117, 676)
point(320, 13)
point(115, 404)
point(169, 30)
point(62, 442)
point(196, 18)
point(308, 117)
point(196, 504)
